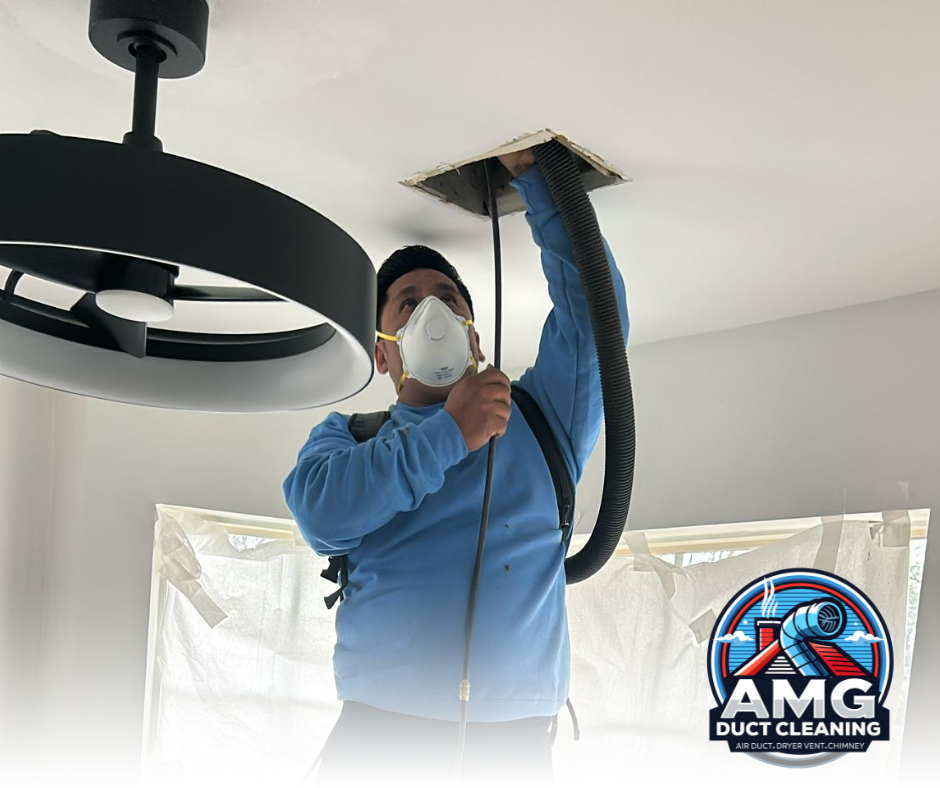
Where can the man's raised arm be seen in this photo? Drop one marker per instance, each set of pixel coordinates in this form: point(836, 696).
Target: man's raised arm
point(565, 380)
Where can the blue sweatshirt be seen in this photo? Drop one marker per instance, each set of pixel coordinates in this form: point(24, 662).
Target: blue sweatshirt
point(405, 509)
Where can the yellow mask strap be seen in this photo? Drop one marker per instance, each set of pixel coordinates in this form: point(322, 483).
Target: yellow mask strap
point(401, 381)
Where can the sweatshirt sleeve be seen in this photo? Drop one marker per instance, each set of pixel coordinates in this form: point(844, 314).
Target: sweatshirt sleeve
point(341, 490)
point(565, 380)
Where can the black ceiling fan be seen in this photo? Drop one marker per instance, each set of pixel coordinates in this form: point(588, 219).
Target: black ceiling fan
point(119, 221)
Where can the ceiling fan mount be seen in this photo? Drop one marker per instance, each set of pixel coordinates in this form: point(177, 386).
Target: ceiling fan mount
point(177, 30)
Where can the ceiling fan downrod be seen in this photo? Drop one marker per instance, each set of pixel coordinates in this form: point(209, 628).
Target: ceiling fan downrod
point(148, 58)
point(154, 39)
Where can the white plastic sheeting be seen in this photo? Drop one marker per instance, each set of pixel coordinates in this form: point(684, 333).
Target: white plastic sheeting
point(241, 681)
point(241, 688)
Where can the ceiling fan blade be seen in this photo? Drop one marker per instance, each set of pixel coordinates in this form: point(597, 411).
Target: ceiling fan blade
point(126, 335)
point(217, 293)
point(10, 284)
point(78, 268)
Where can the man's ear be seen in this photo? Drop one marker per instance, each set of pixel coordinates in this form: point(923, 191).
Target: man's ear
point(381, 363)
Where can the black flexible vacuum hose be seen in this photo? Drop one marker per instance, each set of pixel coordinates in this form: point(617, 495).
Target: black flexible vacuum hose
point(577, 214)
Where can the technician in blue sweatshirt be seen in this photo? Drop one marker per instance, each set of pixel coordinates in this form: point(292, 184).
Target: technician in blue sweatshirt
point(404, 508)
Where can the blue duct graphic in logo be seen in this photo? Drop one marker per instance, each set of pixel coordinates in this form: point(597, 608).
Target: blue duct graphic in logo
point(800, 664)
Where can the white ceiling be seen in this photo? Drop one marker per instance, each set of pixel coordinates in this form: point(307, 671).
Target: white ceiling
point(785, 155)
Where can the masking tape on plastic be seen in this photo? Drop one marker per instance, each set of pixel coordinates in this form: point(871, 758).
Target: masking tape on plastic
point(895, 528)
point(636, 541)
point(703, 626)
point(669, 576)
point(829, 543)
point(175, 560)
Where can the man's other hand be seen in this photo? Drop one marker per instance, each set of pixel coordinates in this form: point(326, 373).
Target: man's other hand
point(481, 404)
point(518, 162)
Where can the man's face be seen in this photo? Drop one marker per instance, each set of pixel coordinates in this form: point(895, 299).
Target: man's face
point(404, 295)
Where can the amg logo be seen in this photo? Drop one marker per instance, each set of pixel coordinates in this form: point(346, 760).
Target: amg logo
point(796, 682)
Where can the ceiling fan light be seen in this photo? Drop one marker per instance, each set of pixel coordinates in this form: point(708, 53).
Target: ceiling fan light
point(131, 305)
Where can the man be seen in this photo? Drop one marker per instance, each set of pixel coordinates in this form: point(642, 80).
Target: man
point(404, 508)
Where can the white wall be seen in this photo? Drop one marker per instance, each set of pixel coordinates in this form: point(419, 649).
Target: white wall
point(27, 426)
point(785, 419)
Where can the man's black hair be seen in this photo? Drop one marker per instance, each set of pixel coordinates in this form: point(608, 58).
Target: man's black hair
point(406, 260)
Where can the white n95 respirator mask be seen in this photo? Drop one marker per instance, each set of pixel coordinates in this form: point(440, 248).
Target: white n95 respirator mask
point(434, 344)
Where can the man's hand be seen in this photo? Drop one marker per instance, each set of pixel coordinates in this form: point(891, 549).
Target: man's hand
point(481, 404)
point(518, 162)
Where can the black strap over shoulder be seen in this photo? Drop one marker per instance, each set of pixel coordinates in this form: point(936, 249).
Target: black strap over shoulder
point(564, 489)
point(365, 426)
point(335, 572)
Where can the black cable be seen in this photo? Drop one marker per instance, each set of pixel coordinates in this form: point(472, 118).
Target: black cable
point(497, 263)
point(487, 491)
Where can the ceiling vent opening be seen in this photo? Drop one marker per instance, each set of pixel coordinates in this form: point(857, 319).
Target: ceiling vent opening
point(464, 184)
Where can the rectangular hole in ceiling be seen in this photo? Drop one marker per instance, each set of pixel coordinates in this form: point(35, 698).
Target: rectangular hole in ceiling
point(464, 185)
